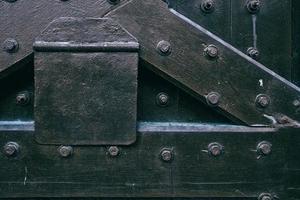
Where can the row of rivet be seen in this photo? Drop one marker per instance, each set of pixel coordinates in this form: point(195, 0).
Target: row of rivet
point(214, 149)
point(208, 6)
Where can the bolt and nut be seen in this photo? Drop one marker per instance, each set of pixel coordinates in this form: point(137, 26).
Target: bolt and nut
point(253, 6)
point(213, 98)
point(211, 51)
point(265, 196)
point(262, 100)
point(166, 155)
point(253, 53)
point(163, 48)
point(264, 148)
point(65, 151)
point(162, 99)
point(23, 98)
point(207, 6)
point(113, 151)
point(11, 149)
point(10, 45)
point(215, 149)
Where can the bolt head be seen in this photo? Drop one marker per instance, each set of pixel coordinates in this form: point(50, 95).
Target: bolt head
point(262, 101)
point(113, 151)
point(215, 149)
point(65, 151)
point(264, 148)
point(10, 45)
point(166, 155)
point(163, 48)
point(265, 196)
point(213, 98)
point(296, 103)
point(207, 6)
point(11, 149)
point(162, 99)
point(253, 53)
point(253, 6)
point(23, 98)
point(211, 51)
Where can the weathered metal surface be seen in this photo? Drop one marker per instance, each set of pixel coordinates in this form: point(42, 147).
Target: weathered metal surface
point(138, 171)
point(85, 83)
point(189, 68)
point(24, 20)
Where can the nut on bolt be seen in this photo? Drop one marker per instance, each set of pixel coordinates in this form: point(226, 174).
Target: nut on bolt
point(213, 98)
point(253, 53)
point(65, 151)
point(23, 98)
point(265, 196)
point(215, 149)
point(211, 51)
point(10, 45)
point(262, 100)
point(166, 155)
point(113, 151)
point(253, 6)
point(164, 48)
point(162, 99)
point(207, 6)
point(264, 148)
point(11, 149)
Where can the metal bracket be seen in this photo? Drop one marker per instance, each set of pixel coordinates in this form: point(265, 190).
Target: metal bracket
point(85, 83)
point(202, 64)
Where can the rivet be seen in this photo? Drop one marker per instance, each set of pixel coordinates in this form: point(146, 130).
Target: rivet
point(11, 149)
point(113, 151)
point(211, 51)
point(166, 155)
point(207, 6)
point(213, 98)
point(164, 48)
point(264, 148)
point(253, 53)
point(296, 103)
point(10, 45)
point(113, 2)
point(23, 98)
point(253, 6)
point(65, 151)
point(215, 149)
point(265, 196)
point(162, 99)
point(262, 100)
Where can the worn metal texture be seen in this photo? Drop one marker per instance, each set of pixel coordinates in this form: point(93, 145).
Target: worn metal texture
point(23, 20)
point(138, 171)
point(189, 67)
point(268, 30)
point(85, 89)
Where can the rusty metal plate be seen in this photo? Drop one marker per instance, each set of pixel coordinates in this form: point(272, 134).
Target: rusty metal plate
point(85, 90)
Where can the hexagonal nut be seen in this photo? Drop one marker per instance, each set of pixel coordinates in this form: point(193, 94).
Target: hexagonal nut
point(11, 149)
point(264, 148)
point(215, 149)
point(166, 155)
point(65, 151)
point(113, 151)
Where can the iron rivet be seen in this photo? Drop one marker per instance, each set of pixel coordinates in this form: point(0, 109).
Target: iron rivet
point(264, 148)
point(11, 149)
point(65, 151)
point(162, 99)
point(113, 151)
point(10, 45)
point(23, 98)
point(253, 53)
point(166, 155)
point(211, 51)
point(113, 2)
point(213, 98)
point(207, 6)
point(164, 48)
point(253, 6)
point(215, 149)
point(265, 196)
point(262, 100)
